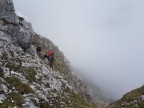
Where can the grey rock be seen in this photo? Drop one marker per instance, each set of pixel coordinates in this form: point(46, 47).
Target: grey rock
point(2, 97)
point(17, 28)
point(142, 97)
point(4, 37)
point(4, 87)
point(21, 35)
point(7, 11)
point(32, 51)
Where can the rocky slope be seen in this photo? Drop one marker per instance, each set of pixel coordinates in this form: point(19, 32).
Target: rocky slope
point(133, 99)
point(26, 81)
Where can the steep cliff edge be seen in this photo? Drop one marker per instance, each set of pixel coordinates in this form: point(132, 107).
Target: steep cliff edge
point(26, 81)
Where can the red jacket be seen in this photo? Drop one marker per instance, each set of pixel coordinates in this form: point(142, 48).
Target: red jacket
point(50, 53)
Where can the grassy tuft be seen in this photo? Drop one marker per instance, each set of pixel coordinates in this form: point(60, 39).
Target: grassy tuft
point(29, 73)
point(21, 87)
point(18, 98)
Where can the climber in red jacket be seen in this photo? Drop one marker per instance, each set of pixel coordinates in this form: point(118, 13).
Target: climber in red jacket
point(50, 56)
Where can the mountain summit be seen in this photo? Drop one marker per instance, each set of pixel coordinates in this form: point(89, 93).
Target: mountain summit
point(26, 81)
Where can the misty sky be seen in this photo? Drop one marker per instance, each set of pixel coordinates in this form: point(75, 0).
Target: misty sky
point(103, 38)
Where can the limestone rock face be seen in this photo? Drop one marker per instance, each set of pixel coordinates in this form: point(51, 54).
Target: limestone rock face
point(17, 28)
point(7, 11)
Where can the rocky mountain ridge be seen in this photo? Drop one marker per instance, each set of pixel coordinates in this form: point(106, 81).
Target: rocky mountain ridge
point(26, 81)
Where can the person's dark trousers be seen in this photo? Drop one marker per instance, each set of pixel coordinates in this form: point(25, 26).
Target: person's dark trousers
point(50, 59)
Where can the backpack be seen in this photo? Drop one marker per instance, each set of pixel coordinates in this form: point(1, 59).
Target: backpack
point(50, 53)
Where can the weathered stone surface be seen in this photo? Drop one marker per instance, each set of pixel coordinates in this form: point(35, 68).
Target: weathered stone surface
point(7, 11)
point(18, 29)
point(4, 37)
point(22, 35)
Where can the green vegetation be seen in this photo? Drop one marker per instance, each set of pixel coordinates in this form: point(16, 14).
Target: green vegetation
point(19, 86)
point(29, 73)
point(79, 102)
point(133, 95)
point(12, 66)
point(15, 99)
point(130, 100)
point(6, 103)
point(75, 100)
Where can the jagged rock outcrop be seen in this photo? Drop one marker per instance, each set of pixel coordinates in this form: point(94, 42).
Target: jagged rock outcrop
point(18, 29)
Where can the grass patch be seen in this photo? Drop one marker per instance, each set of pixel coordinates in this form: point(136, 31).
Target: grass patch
point(135, 94)
point(18, 98)
point(6, 104)
point(79, 102)
point(76, 100)
point(12, 66)
point(129, 98)
point(21, 87)
point(29, 73)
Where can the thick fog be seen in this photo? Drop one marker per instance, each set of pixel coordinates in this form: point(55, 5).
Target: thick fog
point(102, 38)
